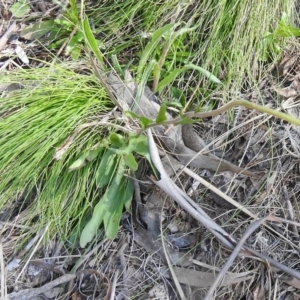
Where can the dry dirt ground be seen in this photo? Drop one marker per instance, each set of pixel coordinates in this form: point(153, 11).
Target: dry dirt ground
point(161, 252)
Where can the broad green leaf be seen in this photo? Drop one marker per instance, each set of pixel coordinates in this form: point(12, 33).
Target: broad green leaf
point(111, 222)
point(130, 161)
point(131, 114)
point(149, 49)
point(107, 207)
point(117, 140)
point(19, 9)
point(121, 151)
point(77, 38)
point(107, 168)
point(142, 149)
point(93, 224)
point(145, 122)
point(92, 154)
point(78, 163)
point(116, 203)
point(167, 80)
point(115, 191)
point(75, 53)
point(91, 41)
point(284, 30)
point(161, 117)
point(37, 30)
point(135, 139)
point(128, 194)
point(178, 94)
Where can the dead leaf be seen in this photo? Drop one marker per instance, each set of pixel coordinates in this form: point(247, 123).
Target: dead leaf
point(204, 279)
point(286, 64)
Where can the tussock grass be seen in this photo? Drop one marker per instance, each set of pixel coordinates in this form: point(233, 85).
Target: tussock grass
point(35, 122)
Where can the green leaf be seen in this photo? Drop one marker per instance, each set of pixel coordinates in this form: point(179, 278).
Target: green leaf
point(92, 226)
point(143, 79)
point(117, 140)
point(186, 121)
point(131, 114)
point(145, 122)
point(19, 9)
point(112, 223)
point(161, 117)
point(128, 194)
point(156, 71)
point(76, 51)
point(130, 161)
point(116, 203)
point(92, 154)
point(167, 80)
point(206, 73)
point(107, 168)
point(174, 104)
point(37, 30)
point(178, 94)
point(79, 163)
point(180, 32)
point(108, 209)
point(77, 38)
point(284, 30)
point(149, 49)
point(91, 41)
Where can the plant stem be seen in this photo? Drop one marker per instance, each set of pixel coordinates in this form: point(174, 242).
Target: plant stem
point(229, 105)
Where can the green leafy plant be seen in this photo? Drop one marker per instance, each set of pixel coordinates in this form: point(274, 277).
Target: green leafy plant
point(19, 9)
point(272, 40)
point(113, 174)
point(167, 37)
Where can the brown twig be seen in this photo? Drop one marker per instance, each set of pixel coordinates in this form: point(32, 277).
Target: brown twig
point(251, 228)
point(123, 268)
point(31, 293)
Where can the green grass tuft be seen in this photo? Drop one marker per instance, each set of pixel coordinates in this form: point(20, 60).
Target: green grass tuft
point(35, 122)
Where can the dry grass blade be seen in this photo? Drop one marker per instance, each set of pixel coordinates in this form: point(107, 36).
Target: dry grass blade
point(239, 206)
point(5, 37)
point(3, 274)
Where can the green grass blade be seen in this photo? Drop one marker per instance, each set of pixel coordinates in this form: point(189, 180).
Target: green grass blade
point(91, 41)
point(167, 80)
point(149, 49)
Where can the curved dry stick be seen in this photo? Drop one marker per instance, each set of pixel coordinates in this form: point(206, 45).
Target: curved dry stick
point(252, 227)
